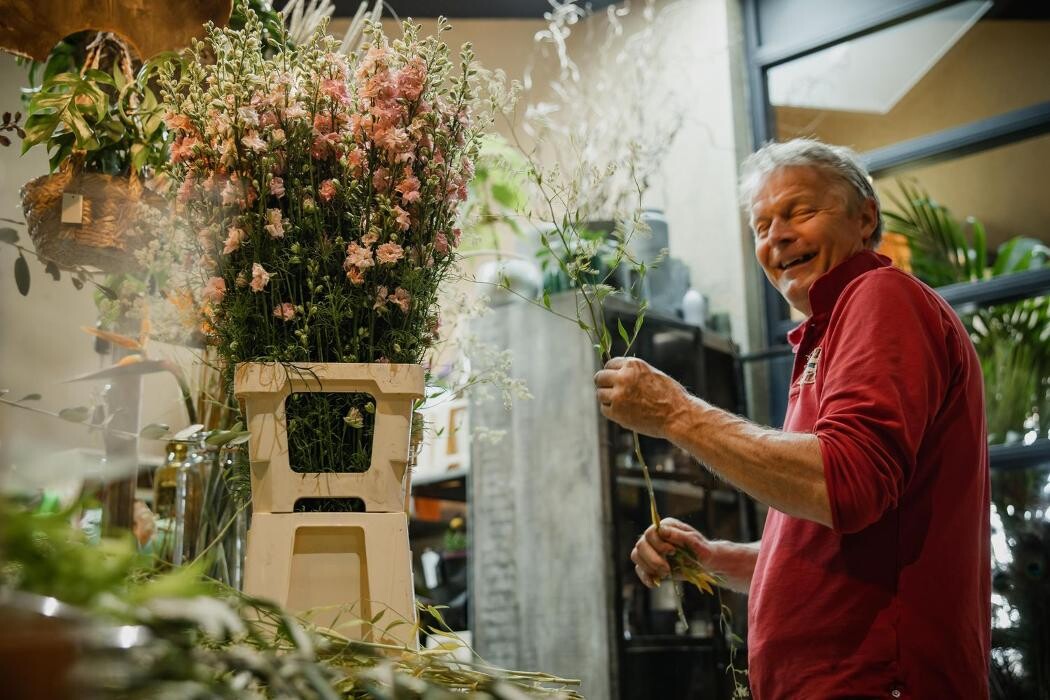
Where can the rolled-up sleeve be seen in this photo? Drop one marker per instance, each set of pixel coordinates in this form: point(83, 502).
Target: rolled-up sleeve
point(884, 377)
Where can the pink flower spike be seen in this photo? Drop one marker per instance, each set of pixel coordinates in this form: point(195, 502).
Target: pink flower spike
point(285, 311)
point(441, 243)
point(214, 290)
point(260, 277)
point(234, 239)
point(370, 238)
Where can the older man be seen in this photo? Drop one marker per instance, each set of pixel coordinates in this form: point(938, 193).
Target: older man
point(872, 578)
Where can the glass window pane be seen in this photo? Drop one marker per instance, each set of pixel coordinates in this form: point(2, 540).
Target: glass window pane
point(938, 71)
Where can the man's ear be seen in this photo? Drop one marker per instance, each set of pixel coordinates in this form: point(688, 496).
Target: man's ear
point(869, 214)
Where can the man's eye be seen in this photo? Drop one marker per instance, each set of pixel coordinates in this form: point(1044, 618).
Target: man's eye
point(801, 213)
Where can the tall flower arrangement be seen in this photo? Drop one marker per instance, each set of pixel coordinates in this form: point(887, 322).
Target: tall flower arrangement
point(323, 191)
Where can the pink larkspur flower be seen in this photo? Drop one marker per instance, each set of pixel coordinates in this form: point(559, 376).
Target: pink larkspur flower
point(389, 253)
point(231, 193)
point(456, 234)
point(358, 256)
point(381, 179)
point(370, 238)
point(355, 275)
point(404, 221)
point(177, 121)
point(410, 79)
point(408, 188)
point(381, 297)
point(275, 224)
point(295, 111)
point(336, 89)
point(441, 243)
point(260, 277)
point(214, 290)
point(285, 311)
point(253, 142)
point(402, 298)
point(182, 148)
point(277, 187)
point(234, 238)
point(327, 191)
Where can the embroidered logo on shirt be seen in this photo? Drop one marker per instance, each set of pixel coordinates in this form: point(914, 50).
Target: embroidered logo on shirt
point(809, 374)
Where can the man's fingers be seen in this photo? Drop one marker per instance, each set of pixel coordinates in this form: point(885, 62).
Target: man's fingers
point(605, 378)
point(657, 542)
point(605, 396)
point(681, 535)
point(615, 363)
point(645, 556)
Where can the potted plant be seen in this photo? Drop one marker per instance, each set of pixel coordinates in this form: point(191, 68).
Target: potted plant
point(323, 191)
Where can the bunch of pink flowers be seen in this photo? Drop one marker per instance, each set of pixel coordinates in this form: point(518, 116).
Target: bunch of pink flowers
point(323, 190)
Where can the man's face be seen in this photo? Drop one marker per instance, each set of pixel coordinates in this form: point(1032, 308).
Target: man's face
point(804, 226)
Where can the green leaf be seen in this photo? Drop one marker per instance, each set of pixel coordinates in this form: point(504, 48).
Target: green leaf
point(154, 431)
point(77, 414)
point(39, 128)
point(101, 76)
point(219, 437)
point(118, 77)
point(8, 235)
point(29, 397)
point(106, 291)
point(22, 275)
point(623, 332)
point(239, 440)
point(547, 299)
point(139, 154)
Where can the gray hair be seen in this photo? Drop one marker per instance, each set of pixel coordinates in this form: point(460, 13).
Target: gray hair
point(837, 162)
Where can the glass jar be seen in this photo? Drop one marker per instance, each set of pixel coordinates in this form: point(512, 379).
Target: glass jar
point(178, 495)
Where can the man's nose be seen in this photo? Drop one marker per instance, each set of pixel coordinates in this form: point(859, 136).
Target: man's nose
point(780, 232)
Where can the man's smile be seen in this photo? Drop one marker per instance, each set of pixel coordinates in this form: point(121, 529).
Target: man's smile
point(798, 260)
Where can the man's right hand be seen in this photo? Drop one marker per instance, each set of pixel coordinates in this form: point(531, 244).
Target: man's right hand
point(734, 562)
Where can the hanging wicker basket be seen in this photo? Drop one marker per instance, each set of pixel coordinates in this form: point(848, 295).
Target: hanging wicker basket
point(102, 232)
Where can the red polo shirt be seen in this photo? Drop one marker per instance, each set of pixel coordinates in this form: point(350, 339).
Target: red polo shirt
point(894, 600)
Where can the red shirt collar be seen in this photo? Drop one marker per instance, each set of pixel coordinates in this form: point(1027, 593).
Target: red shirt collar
point(827, 288)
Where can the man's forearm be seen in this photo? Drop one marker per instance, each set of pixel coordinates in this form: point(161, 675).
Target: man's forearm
point(784, 470)
point(735, 563)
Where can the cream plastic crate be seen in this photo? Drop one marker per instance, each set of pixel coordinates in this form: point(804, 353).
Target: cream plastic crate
point(337, 569)
point(262, 389)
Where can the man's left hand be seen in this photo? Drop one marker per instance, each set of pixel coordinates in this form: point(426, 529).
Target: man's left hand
point(638, 396)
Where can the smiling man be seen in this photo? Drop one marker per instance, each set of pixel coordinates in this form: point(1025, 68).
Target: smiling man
point(872, 578)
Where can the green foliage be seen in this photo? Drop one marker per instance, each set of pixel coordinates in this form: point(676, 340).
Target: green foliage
point(110, 116)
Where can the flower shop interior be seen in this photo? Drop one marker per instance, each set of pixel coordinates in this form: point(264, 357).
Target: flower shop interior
point(302, 305)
